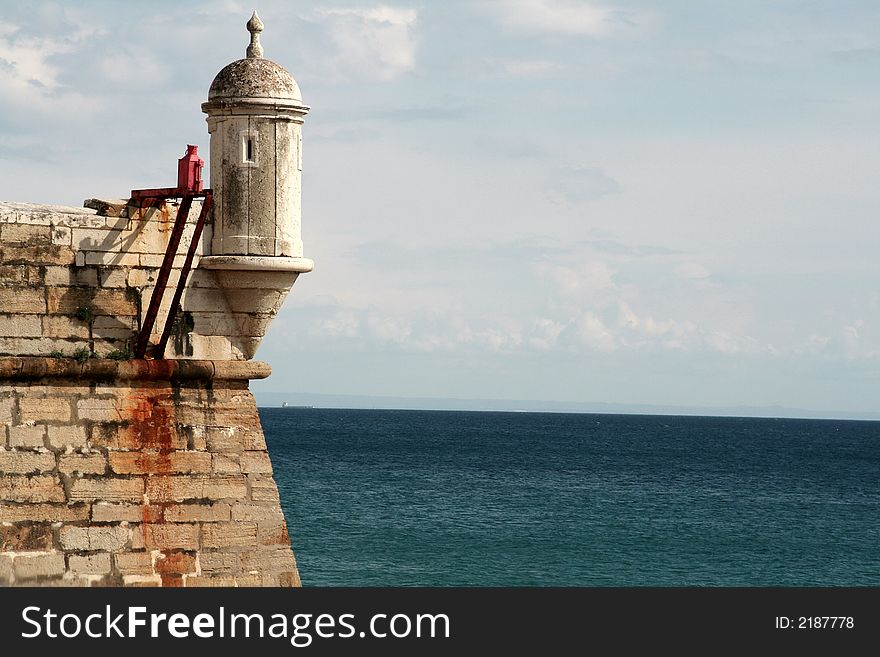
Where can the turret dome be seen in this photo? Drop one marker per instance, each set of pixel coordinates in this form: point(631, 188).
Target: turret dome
point(254, 77)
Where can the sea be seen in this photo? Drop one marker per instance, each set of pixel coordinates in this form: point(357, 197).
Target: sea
point(461, 498)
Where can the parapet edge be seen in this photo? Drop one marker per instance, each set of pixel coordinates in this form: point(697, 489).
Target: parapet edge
point(28, 368)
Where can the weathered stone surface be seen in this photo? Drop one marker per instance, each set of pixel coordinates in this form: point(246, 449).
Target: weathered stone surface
point(256, 462)
point(38, 566)
point(17, 301)
point(26, 462)
point(25, 537)
point(27, 435)
point(61, 437)
point(171, 536)
point(176, 563)
point(217, 561)
point(103, 512)
point(92, 564)
point(98, 537)
point(23, 326)
point(6, 573)
point(107, 489)
point(44, 409)
point(179, 488)
point(229, 534)
point(197, 512)
point(134, 563)
point(60, 326)
point(146, 462)
point(36, 488)
point(43, 512)
point(82, 463)
point(6, 405)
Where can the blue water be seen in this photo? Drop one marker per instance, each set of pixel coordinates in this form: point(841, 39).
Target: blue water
point(436, 498)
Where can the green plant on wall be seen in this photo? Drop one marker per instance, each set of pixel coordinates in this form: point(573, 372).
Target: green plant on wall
point(82, 354)
point(84, 314)
point(120, 354)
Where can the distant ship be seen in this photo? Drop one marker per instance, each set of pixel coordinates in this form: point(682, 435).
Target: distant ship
point(286, 405)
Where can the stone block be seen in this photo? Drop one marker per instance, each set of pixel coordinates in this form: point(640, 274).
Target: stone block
point(101, 409)
point(107, 489)
point(61, 326)
point(82, 463)
point(18, 300)
point(36, 488)
point(110, 258)
point(25, 234)
point(103, 512)
point(39, 566)
point(217, 561)
point(176, 563)
point(6, 572)
point(179, 488)
point(37, 255)
point(92, 564)
point(147, 462)
point(44, 409)
point(268, 559)
point(263, 489)
point(225, 463)
point(62, 437)
point(138, 277)
point(108, 538)
point(97, 239)
point(27, 435)
point(223, 439)
point(71, 276)
point(211, 347)
point(66, 301)
point(197, 512)
point(14, 274)
point(256, 463)
point(257, 512)
point(26, 537)
point(61, 235)
point(43, 512)
point(229, 534)
point(142, 580)
point(114, 277)
point(173, 536)
point(13, 462)
point(6, 405)
point(20, 326)
point(134, 563)
point(36, 346)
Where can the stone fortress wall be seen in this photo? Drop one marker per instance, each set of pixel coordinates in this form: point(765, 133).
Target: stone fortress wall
point(151, 471)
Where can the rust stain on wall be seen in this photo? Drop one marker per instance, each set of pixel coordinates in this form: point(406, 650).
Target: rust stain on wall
point(153, 428)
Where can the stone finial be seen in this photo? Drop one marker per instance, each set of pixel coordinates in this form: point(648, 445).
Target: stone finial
point(255, 26)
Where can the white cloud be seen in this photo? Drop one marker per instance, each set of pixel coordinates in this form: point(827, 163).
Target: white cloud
point(531, 67)
point(591, 332)
point(579, 184)
point(584, 278)
point(119, 68)
point(692, 270)
point(28, 76)
point(379, 42)
point(574, 17)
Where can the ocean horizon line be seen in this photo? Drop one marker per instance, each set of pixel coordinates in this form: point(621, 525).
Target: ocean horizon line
point(272, 399)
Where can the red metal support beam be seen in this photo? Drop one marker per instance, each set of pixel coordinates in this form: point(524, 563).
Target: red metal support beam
point(184, 273)
point(162, 281)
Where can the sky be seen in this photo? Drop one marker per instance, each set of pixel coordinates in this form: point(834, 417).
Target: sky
point(614, 201)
